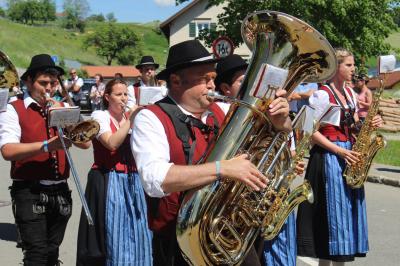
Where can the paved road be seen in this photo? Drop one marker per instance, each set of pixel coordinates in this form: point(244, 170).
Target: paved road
point(383, 217)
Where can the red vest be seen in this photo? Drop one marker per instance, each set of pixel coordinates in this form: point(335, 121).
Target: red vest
point(34, 128)
point(120, 160)
point(168, 206)
point(335, 133)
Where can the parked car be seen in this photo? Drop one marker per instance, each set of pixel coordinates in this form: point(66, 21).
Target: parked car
point(85, 94)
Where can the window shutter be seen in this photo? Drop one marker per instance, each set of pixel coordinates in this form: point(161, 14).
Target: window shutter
point(192, 29)
point(213, 26)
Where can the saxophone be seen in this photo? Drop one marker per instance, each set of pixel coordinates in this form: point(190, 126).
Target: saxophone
point(366, 144)
point(217, 224)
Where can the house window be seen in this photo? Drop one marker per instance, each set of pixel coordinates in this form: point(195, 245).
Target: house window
point(196, 27)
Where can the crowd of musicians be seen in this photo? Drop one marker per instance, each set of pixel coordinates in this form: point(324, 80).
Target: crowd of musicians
point(142, 164)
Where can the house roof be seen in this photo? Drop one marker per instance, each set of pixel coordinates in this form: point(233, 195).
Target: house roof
point(392, 79)
point(164, 26)
point(109, 71)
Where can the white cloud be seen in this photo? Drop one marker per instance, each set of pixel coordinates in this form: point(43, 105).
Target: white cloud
point(165, 2)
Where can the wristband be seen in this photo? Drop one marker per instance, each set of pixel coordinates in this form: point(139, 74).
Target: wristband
point(218, 169)
point(45, 146)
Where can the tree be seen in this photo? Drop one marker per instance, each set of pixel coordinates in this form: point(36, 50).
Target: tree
point(25, 11)
point(48, 10)
point(358, 25)
point(31, 10)
point(75, 14)
point(2, 12)
point(113, 41)
point(396, 15)
point(80, 7)
point(99, 18)
point(111, 17)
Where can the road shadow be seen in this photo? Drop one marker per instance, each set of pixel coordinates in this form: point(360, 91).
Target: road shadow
point(388, 169)
point(8, 232)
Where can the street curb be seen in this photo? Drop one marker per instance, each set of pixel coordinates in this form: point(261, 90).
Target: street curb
point(384, 180)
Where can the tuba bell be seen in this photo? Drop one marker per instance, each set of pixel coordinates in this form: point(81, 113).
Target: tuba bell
point(217, 224)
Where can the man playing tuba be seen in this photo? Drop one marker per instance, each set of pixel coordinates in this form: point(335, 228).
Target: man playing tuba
point(163, 154)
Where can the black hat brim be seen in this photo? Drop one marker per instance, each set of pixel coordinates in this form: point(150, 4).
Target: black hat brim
point(147, 64)
point(31, 70)
point(164, 74)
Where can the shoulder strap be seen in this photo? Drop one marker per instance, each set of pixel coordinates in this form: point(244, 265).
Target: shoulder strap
point(180, 122)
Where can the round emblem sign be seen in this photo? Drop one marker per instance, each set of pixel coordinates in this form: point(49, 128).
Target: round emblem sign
point(222, 47)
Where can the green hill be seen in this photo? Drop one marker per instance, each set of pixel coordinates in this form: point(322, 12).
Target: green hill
point(20, 42)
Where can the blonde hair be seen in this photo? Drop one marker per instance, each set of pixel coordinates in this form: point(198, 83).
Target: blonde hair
point(341, 54)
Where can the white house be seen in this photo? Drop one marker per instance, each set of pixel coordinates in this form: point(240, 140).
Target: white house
point(190, 20)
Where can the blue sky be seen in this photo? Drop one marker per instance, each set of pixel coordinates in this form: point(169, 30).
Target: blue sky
point(130, 10)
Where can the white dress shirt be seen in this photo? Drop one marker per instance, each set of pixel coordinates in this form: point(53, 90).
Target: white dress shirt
point(151, 151)
point(131, 96)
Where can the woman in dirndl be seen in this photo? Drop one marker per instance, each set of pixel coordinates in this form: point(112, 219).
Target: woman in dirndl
point(120, 235)
point(334, 228)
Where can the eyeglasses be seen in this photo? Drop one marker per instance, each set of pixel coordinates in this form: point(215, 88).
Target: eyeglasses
point(72, 73)
point(45, 83)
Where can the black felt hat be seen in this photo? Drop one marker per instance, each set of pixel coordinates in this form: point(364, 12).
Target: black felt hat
point(41, 62)
point(147, 60)
point(185, 54)
point(228, 66)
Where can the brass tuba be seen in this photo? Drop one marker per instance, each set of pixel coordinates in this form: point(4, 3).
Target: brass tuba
point(217, 224)
point(8, 75)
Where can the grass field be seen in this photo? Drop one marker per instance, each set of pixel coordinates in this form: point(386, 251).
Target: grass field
point(20, 42)
point(389, 155)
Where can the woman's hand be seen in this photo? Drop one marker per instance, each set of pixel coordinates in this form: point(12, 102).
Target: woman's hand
point(377, 121)
point(351, 157)
point(132, 112)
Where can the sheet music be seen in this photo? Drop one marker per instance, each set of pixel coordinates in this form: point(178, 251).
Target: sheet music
point(150, 95)
point(3, 99)
point(387, 63)
point(269, 80)
point(64, 116)
point(331, 116)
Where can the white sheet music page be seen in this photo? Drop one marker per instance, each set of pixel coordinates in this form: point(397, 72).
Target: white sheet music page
point(269, 79)
point(150, 95)
point(386, 63)
point(63, 116)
